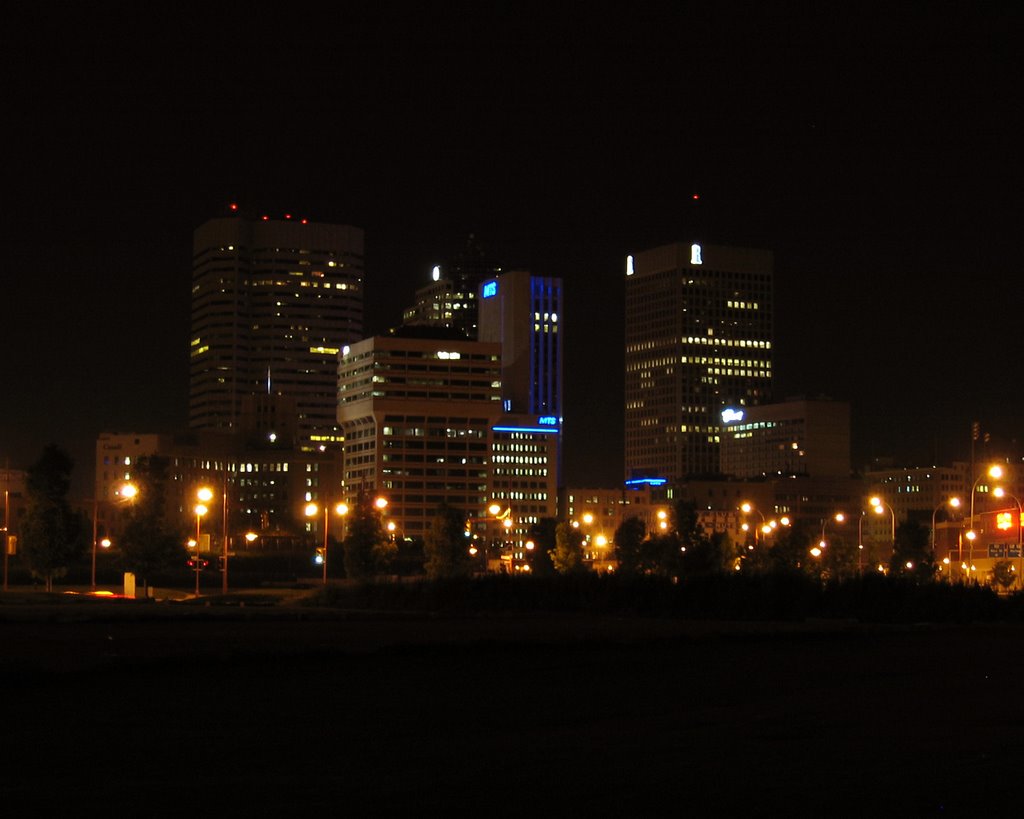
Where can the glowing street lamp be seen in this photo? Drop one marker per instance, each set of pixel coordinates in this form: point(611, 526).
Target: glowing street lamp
point(747, 508)
point(838, 517)
point(127, 492)
point(340, 509)
point(952, 503)
point(496, 514)
point(204, 495)
point(970, 534)
point(995, 472)
point(879, 506)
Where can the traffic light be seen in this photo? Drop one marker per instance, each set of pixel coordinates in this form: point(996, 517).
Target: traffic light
point(320, 556)
point(220, 563)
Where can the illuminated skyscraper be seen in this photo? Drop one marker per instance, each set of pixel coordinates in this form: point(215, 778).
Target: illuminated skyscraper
point(524, 314)
point(424, 427)
point(273, 301)
point(450, 300)
point(698, 342)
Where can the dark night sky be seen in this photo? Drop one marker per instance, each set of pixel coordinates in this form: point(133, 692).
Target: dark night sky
point(876, 152)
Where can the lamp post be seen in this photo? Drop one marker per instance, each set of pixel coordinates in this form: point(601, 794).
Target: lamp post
point(880, 506)
point(994, 471)
point(340, 509)
point(970, 535)
point(204, 495)
point(495, 514)
point(838, 517)
point(953, 502)
point(746, 508)
point(7, 522)
point(224, 534)
point(127, 492)
point(819, 550)
point(860, 542)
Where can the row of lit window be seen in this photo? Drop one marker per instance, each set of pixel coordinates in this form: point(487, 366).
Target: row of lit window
point(728, 371)
point(423, 432)
point(710, 339)
point(438, 394)
point(727, 362)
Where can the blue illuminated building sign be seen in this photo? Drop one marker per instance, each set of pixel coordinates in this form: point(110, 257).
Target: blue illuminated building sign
point(490, 289)
point(525, 429)
point(648, 481)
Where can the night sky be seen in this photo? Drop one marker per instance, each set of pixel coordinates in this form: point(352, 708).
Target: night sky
point(876, 152)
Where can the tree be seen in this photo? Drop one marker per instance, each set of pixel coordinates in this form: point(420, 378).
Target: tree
point(544, 534)
point(707, 555)
point(367, 546)
point(149, 544)
point(839, 557)
point(1003, 574)
point(629, 539)
point(567, 556)
point(792, 549)
point(687, 549)
point(685, 522)
point(912, 555)
point(52, 535)
point(446, 546)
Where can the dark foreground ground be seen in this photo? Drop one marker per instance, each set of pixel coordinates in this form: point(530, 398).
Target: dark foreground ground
point(162, 709)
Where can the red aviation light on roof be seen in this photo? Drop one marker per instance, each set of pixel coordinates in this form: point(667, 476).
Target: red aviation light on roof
point(233, 206)
point(305, 221)
point(287, 216)
point(266, 218)
point(696, 196)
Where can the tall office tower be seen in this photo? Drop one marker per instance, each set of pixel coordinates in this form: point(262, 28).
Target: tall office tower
point(450, 300)
point(424, 426)
point(273, 301)
point(524, 314)
point(698, 341)
point(418, 414)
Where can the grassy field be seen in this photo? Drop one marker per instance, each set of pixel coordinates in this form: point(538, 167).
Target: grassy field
point(280, 709)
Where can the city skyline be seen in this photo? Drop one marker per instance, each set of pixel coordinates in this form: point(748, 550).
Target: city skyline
point(873, 156)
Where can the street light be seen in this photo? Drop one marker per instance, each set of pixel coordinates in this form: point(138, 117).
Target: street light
point(860, 542)
point(954, 503)
point(495, 515)
point(880, 506)
point(127, 492)
point(204, 495)
point(746, 508)
point(970, 534)
point(838, 517)
point(995, 471)
point(340, 509)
